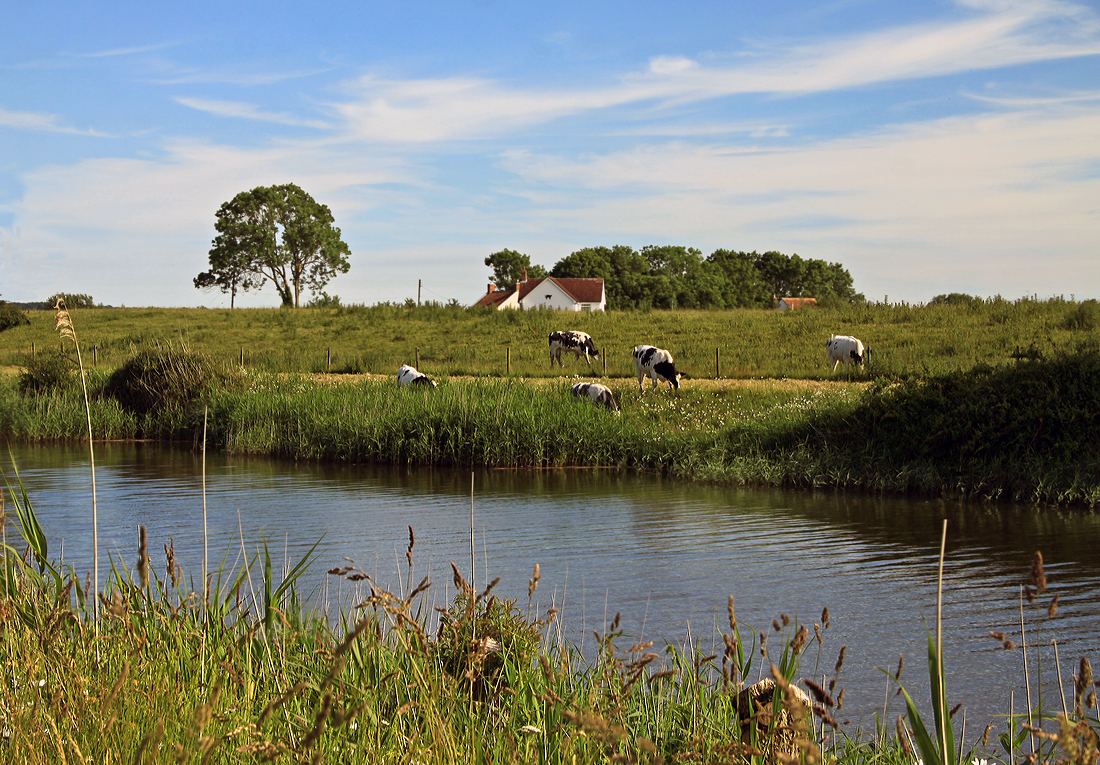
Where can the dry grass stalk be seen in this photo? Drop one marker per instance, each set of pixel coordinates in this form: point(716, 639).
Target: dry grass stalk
point(533, 582)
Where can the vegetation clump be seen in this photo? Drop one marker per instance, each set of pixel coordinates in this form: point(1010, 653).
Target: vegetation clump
point(156, 379)
point(1083, 316)
point(45, 373)
point(11, 316)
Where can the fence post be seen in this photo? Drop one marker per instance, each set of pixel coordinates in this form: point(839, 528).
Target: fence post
point(95, 355)
point(33, 351)
point(242, 357)
point(717, 366)
point(328, 360)
point(508, 360)
point(604, 358)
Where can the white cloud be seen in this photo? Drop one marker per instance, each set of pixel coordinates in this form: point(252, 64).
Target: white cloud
point(247, 111)
point(39, 122)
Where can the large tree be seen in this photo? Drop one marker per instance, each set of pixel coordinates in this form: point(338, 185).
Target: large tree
point(510, 267)
point(278, 234)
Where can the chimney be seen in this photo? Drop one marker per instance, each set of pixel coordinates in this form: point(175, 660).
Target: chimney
point(492, 289)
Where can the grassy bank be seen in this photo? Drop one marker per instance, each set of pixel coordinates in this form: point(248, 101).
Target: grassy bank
point(906, 340)
point(1020, 431)
point(248, 670)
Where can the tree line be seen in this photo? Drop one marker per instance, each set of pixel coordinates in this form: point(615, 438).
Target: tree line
point(673, 276)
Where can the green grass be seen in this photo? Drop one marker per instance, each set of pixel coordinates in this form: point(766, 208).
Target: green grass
point(906, 340)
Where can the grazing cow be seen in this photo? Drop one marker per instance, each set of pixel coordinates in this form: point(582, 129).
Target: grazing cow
point(656, 363)
point(599, 394)
point(407, 376)
point(577, 342)
point(846, 349)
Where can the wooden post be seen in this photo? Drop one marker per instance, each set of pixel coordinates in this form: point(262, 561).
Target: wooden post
point(508, 360)
point(604, 358)
point(419, 284)
point(242, 356)
point(33, 351)
point(717, 366)
point(95, 355)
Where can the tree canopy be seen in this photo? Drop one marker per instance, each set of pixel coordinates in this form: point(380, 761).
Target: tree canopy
point(672, 276)
point(278, 234)
point(509, 267)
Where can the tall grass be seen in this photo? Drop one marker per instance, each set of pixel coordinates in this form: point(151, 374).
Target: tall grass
point(1023, 431)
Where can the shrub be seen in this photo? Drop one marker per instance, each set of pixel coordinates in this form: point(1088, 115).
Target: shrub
point(956, 298)
point(11, 316)
point(157, 379)
point(1085, 315)
point(45, 372)
point(75, 300)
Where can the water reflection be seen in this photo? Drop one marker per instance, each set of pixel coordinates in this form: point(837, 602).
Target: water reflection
point(664, 553)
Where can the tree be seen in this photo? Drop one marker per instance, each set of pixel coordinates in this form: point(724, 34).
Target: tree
point(76, 300)
point(510, 266)
point(278, 234)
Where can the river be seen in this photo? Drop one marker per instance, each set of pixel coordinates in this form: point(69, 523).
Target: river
point(663, 553)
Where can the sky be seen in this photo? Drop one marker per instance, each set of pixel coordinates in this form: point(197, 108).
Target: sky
point(929, 147)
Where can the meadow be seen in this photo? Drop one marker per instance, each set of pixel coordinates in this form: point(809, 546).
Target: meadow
point(976, 413)
point(450, 341)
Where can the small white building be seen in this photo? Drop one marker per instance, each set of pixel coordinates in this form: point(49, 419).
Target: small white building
point(550, 293)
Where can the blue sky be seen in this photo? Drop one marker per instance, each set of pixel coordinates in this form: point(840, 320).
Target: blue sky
point(930, 147)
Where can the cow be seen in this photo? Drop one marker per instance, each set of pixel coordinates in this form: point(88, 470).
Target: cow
point(599, 394)
point(577, 342)
point(656, 363)
point(846, 349)
point(408, 376)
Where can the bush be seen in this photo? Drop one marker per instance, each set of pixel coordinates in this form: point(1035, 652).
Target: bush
point(1085, 315)
point(10, 316)
point(75, 300)
point(45, 372)
point(956, 298)
point(158, 379)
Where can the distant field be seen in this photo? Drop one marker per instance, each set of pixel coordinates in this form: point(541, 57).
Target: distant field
point(906, 340)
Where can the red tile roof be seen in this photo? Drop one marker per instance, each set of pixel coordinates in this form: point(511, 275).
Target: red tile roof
point(581, 290)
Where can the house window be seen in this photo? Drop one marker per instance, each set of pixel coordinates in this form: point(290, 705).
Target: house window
point(586, 307)
point(548, 297)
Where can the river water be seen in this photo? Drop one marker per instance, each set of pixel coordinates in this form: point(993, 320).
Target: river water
point(665, 554)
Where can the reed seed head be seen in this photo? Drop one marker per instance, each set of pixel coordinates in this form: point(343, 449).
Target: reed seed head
point(786, 619)
point(1052, 610)
point(901, 664)
point(825, 617)
point(533, 583)
point(412, 544)
point(840, 660)
point(729, 608)
point(143, 557)
point(1038, 577)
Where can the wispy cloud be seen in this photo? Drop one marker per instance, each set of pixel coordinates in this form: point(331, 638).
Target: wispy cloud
point(987, 36)
point(113, 52)
point(41, 123)
point(198, 76)
point(248, 111)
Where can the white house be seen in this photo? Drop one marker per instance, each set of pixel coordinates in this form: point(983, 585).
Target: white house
point(551, 293)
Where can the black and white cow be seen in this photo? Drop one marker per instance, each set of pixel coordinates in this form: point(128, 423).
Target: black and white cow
point(656, 363)
point(599, 394)
point(846, 349)
point(578, 343)
point(407, 376)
